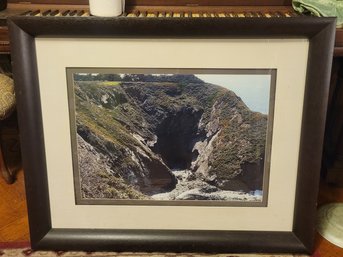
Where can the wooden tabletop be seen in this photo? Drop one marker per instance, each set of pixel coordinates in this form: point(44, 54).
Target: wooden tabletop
point(156, 11)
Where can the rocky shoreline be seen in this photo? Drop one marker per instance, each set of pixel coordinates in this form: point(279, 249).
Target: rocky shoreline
point(172, 138)
point(190, 188)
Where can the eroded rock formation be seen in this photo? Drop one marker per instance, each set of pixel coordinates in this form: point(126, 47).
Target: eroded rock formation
point(169, 137)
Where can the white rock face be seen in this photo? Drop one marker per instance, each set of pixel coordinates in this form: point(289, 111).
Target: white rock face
point(200, 165)
point(191, 188)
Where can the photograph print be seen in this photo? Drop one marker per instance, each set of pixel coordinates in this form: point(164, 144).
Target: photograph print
point(171, 136)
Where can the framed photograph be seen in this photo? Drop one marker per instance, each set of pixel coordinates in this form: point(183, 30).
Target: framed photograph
point(161, 136)
point(172, 134)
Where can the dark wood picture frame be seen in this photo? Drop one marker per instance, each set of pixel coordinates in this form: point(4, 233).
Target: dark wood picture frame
point(319, 31)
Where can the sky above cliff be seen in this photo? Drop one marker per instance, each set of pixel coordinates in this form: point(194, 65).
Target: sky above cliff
point(253, 89)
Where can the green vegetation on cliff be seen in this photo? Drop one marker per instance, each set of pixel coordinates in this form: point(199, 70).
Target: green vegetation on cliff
point(145, 126)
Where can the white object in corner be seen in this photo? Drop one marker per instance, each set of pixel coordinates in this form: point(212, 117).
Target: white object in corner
point(106, 8)
point(330, 223)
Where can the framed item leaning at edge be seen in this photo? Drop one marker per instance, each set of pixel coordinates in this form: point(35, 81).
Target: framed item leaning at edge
point(172, 134)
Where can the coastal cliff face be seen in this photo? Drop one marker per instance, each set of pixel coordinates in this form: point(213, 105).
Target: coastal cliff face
point(167, 137)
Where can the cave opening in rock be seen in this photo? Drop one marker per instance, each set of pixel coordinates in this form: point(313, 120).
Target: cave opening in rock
point(176, 136)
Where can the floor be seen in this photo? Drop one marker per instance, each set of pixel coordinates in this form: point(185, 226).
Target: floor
point(13, 217)
point(14, 224)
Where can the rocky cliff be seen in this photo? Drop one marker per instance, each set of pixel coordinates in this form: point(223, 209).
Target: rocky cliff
point(167, 137)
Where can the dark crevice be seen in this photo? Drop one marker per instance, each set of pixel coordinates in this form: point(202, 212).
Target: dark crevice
point(176, 136)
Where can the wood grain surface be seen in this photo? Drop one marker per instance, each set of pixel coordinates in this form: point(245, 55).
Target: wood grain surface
point(13, 217)
point(14, 224)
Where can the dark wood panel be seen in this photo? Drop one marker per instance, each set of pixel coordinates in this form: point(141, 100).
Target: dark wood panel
point(4, 41)
point(339, 38)
point(333, 151)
